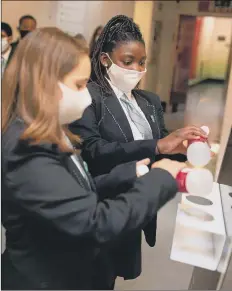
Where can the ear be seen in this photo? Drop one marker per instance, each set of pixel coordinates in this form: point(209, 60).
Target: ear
point(104, 59)
point(10, 39)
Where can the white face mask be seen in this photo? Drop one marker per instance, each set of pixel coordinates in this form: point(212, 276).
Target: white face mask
point(5, 44)
point(125, 80)
point(73, 104)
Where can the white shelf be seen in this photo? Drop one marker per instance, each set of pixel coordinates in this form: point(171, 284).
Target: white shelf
point(200, 234)
point(227, 211)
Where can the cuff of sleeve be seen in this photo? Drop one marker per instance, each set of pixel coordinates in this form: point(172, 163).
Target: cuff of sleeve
point(141, 170)
point(166, 178)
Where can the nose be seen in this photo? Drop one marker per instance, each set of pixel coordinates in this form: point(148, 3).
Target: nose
point(141, 68)
point(137, 67)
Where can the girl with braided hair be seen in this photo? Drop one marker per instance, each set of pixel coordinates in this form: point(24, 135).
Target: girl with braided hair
point(124, 124)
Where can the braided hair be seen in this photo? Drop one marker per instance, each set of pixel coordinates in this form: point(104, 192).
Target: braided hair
point(119, 29)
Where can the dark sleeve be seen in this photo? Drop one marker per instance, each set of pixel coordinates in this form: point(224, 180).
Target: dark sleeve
point(98, 151)
point(163, 130)
point(119, 180)
point(50, 194)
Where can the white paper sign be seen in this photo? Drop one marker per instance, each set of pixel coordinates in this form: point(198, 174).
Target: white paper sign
point(71, 16)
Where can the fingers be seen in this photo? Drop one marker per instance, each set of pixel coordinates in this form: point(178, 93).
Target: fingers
point(173, 167)
point(180, 166)
point(212, 154)
point(185, 143)
point(191, 132)
point(161, 162)
point(182, 149)
point(144, 162)
point(196, 131)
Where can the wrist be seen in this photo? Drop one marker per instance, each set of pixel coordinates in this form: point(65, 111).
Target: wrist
point(157, 152)
point(160, 147)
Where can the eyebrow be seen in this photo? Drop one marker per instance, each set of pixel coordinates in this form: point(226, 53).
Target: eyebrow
point(82, 79)
point(132, 56)
point(128, 55)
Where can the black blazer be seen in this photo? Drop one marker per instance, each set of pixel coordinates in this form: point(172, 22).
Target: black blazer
point(55, 223)
point(108, 139)
point(13, 48)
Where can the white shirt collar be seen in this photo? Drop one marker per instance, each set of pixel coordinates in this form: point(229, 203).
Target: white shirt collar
point(6, 55)
point(118, 92)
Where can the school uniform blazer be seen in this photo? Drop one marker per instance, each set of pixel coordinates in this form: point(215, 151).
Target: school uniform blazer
point(107, 137)
point(13, 48)
point(55, 223)
point(108, 141)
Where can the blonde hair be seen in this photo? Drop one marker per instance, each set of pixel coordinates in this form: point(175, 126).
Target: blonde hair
point(30, 84)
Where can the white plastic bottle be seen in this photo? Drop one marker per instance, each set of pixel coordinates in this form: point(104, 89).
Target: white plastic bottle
point(198, 151)
point(195, 181)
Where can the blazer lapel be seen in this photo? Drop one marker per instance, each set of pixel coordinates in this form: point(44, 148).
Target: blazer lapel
point(114, 108)
point(148, 110)
point(74, 171)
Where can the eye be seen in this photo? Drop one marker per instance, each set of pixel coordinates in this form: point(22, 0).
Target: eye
point(80, 86)
point(127, 63)
point(142, 63)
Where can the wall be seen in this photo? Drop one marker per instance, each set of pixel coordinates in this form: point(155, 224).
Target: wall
point(220, 49)
point(162, 70)
point(112, 8)
point(96, 13)
point(169, 15)
point(143, 8)
point(204, 49)
point(41, 10)
point(100, 12)
point(212, 55)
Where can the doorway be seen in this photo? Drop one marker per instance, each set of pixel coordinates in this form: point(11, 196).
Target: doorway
point(202, 57)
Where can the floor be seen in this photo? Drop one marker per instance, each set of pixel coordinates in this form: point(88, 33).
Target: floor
point(204, 105)
point(159, 272)
point(204, 102)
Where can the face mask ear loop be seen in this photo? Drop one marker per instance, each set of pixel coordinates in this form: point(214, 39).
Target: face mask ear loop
point(109, 58)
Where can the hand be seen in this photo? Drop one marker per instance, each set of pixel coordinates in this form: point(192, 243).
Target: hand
point(173, 167)
point(141, 167)
point(173, 143)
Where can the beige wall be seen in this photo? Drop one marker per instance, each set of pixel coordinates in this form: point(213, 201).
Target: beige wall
point(101, 13)
point(213, 54)
point(220, 50)
point(41, 10)
point(143, 16)
point(97, 13)
point(112, 8)
point(162, 72)
point(169, 15)
point(204, 56)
